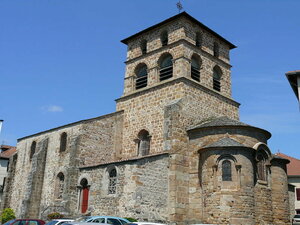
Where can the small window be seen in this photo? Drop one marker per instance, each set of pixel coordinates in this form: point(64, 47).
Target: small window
point(164, 38)
point(112, 186)
point(195, 68)
point(217, 73)
point(32, 149)
point(144, 46)
point(216, 50)
point(143, 143)
point(141, 76)
point(198, 41)
point(59, 189)
point(261, 159)
point(166, 67)
point(298, 194)
point(226, 170)
point(63, 142)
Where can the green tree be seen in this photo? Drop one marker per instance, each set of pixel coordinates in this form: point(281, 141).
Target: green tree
point(7, 214)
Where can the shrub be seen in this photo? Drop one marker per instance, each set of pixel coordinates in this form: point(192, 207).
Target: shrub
point(55, 215)
point(7, 214)
point(130, 219)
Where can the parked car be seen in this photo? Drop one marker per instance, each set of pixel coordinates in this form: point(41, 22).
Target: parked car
point(59, 221)
point(145, 223)
point(9, 222)
point(28, 222)
point(296, 220)
point(108, 219)
point(102, 219)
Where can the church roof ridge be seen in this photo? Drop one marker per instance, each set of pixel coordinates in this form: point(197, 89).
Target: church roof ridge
point(183, 14)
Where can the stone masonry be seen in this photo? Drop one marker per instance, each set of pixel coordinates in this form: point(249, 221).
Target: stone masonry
point(173, 152)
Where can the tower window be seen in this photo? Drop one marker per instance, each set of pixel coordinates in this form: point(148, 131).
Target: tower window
point(141, 76)
point(164, 38)
point(144, 46)
point(112, 186)
point(217, 73)
point(166, 67)
point(216, 50)
point(32, 149)
point(198, 41)
point(143, 143)
point(261, 167)
point(195, 68)
point(226, 171)
point(63, 142)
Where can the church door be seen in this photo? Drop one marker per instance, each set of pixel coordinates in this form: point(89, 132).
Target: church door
point(85, 199)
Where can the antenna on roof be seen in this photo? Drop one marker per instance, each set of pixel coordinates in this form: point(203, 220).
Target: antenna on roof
point(179, 6)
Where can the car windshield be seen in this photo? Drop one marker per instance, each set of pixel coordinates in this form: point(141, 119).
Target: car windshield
point(82, 219)
point(297, 216)
point(51, 222)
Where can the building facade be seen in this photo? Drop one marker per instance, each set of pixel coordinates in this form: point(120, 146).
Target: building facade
point(174, 151)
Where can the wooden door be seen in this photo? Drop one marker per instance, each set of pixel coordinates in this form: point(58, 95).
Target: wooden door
point(85, 199)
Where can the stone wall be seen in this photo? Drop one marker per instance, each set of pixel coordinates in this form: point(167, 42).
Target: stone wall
point(142, 189)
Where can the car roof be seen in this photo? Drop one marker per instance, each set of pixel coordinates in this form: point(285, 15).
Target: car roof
point(114, 217)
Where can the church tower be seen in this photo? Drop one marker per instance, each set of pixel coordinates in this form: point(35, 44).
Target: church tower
point(178, 63)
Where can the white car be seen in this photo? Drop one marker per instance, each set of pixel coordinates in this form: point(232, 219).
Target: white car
point(59, 221)
point(145, 223)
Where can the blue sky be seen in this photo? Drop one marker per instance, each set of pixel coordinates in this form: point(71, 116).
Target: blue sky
point(62, 61)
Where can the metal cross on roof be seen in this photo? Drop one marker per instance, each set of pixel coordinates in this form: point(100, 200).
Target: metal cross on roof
point(179, 6)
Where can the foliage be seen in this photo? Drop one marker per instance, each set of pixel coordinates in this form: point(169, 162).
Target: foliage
point(130, 219)
point(7, 215)
point(55, 215)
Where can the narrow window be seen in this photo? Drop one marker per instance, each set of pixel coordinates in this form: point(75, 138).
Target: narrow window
point(195, 68)
point(217, 78)
point(144, 143)
point(166, 68)
point(198, 42)
point(144, 46)
point(63, 142)
point(84, 195)
point(112, 186)
point(60, 179)
point(261, 165)
point(32, 149)
point(226, 170)
point(164, 38)
point(216, 50)
point(141, 76)
point(298, 194)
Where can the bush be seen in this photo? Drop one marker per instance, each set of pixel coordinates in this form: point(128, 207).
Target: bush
point(7, 215)
point(130, 219)
point(55, 215)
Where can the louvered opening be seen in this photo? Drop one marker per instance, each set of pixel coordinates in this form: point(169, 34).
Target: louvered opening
point(195, 74)
point(217, 85)
point(166, 73)
point(141, 82)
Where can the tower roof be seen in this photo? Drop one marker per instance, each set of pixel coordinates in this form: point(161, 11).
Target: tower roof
point(225, 142)
point(180, 15)
point(293, 77)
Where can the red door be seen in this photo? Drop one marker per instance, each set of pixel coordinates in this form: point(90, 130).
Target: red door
point(85, 199)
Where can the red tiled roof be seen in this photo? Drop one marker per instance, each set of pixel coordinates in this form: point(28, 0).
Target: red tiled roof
point(8, 151)
point(293, 168)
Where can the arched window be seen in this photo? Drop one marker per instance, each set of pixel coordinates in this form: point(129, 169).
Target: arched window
point(226, 171)
point(141, 76)
point(112, 185)
point(59, 183)
point(166, 67)
point(198, 41)
point(144, 46)
point(63, 142)
point(261, 159)
point(216, 50)
point(32, 149)
point(195, 68)
point(164, 38)
point(143, 143)
point(217, 73)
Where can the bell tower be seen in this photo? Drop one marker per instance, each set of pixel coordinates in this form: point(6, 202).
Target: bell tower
point(177, 60)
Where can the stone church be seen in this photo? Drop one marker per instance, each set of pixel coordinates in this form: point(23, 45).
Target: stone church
point(174, 151)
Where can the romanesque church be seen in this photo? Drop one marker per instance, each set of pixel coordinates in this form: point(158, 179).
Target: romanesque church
point(174, 151)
